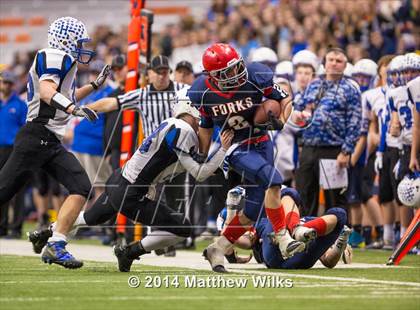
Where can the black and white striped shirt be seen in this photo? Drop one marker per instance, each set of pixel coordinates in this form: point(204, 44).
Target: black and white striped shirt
point(154, 105)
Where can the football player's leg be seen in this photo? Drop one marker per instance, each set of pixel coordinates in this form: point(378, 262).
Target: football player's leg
point(170, 226)
point(257, 166)
point(329, 228)
point(66, 169)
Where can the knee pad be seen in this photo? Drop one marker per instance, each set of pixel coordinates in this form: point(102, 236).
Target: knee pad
point(341, 215)
point(292, 193)
point(268, 176)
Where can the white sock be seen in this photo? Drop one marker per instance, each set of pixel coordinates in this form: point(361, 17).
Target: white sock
point(80, 219)
point(53, 226)
point(389, 233)
point(159, 239)
point(57, 237)
point(403, 230)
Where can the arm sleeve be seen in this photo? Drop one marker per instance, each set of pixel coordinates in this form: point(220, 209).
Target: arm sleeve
point(353, 120)
point(391, 103)
point(366, 112)
point(53, 65)
point(200, 172)
point(130, 99)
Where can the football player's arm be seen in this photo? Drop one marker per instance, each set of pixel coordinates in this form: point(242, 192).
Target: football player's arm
point(200, 172)
point(395, 126)
point(85, 90)
point(48, 93)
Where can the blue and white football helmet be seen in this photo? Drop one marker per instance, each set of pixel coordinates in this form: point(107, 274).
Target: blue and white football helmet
point(364, 73)
point(68, 34)
point(409, 190)
point(411, 66)
point(394, 71)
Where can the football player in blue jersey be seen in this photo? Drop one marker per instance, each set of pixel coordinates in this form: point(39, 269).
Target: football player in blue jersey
point(227, 97)
point(328, 247)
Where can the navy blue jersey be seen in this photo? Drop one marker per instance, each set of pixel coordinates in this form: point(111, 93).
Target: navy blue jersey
point(235, 109)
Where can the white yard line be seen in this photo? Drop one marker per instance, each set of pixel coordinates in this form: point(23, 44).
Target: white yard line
point(192, 260)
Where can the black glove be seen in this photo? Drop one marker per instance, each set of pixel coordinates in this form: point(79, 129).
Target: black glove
point(85, 112)
point(273, 123)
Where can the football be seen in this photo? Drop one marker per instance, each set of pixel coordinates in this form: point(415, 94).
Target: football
point(261, 115)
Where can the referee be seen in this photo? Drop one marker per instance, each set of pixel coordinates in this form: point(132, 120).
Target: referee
point(153, 101)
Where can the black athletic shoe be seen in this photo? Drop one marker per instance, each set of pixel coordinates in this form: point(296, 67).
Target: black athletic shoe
point(39, 239)
point(124, 261)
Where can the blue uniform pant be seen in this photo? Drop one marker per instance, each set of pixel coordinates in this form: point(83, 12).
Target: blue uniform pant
point(255, 163)
point(272, 256)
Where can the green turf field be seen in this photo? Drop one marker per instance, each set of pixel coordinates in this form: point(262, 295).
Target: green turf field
point(26, 283)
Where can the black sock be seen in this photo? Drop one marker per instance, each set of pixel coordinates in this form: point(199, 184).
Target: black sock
point(135, 249)
point(379, 232)
point(100, 212)
point(357, 228)
point(367, 234)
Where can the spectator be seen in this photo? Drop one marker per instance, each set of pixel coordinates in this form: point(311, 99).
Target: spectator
point(184, 73)
point(12, 116)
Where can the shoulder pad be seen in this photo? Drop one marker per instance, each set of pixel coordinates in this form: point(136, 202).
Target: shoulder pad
point(260, 75)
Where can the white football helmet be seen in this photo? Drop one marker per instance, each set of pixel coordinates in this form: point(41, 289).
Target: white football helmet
point(411, 62)
point(321, 70)
point(348, 71)
point(306, 57)
point(264, 55)
point(181, 104)
point(395, 68)
point(409, 190)
point(364, 72)
point(284, 70)
point(68, 34)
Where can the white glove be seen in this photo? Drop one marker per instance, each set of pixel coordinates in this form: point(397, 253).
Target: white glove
point(85, 112)
point(234, 197)
point(379, 162)
point(106, 70)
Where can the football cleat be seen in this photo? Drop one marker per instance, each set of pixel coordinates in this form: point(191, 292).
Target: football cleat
point(287, 245)
point(347, 255)
point(39, 239)
point(124, 261)
point(56, 253)
point(215, 255)
point(304, 234)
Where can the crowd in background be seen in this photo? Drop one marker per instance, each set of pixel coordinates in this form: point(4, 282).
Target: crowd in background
point(364, 29)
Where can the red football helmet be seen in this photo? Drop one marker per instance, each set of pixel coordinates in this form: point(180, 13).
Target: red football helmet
point(225, 66)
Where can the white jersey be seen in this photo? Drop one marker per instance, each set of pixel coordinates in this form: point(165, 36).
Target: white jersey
point(399, 102)
point(285, 152)
point(60, 67)
point(413, 89)
point(381, 108)
point(167, 152)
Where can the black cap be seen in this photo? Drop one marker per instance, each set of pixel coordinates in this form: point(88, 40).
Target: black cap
point(159, 62)
point(118, 61)
point(184, 64)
